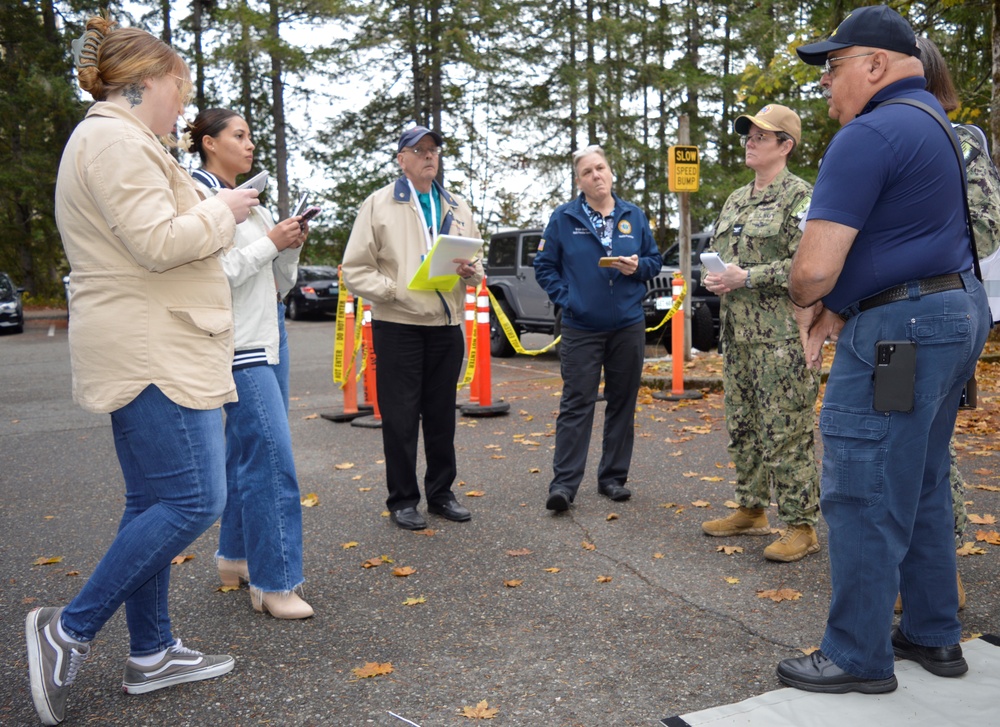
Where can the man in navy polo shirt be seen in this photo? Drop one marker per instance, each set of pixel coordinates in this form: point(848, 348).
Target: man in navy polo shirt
point(886, 257)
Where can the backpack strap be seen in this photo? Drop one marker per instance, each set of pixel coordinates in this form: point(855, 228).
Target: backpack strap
point(950, 131)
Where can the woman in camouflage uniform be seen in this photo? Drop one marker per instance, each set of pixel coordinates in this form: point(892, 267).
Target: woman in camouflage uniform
point(770, 393)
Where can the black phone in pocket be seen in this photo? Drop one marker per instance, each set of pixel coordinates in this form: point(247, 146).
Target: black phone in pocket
point(895, 375)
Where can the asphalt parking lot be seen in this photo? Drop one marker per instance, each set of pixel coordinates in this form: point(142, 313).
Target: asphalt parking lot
point(611, 614)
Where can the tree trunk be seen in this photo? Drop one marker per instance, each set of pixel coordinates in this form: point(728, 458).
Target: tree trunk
point(278, 110)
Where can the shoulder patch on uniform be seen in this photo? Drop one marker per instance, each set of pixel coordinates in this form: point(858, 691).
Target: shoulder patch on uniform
point(802, 206)
point(625, 227)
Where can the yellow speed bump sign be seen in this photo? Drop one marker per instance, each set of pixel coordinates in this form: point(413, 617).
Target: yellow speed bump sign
point(683, 168)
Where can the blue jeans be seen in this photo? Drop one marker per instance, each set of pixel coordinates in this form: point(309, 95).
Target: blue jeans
point(173, 462)
point(262, 522)
point(885, 492)
point(582, 355)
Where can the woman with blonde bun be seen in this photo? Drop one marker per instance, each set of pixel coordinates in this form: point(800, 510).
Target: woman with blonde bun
point(260, 540)
point(151, 345)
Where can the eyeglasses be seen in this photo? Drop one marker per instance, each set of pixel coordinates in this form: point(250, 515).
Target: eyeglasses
point(424, 151)
point(828, 69)
point(185, 88)
point(755, 138)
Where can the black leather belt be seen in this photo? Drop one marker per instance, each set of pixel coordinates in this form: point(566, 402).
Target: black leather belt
point(927, 286)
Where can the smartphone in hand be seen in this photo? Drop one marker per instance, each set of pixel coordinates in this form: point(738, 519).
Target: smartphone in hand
point(607, 262)
point(713, 263)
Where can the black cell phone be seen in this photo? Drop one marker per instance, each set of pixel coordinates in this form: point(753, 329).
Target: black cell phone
point(895, 375)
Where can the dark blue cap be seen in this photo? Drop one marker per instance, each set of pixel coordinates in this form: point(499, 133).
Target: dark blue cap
point(410, 137)
point(875, 26)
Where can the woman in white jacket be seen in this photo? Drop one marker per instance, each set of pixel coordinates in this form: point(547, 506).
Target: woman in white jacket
point(260, 540)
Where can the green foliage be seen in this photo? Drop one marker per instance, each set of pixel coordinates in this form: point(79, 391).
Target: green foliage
point(38, 110)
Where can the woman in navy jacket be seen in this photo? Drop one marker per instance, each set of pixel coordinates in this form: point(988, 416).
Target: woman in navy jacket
point(603, 325)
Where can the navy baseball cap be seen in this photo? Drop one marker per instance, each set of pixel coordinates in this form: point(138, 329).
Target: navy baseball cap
point(410, 137)
point(875, 26)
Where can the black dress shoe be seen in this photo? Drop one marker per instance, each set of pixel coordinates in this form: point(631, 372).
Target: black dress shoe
point(944, 661)
point(408, 518)
point(451, 510)
point(615, 492)
point(559, 501)
point(816, 673)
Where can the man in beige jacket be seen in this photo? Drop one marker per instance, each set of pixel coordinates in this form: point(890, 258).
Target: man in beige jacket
point(417, 334)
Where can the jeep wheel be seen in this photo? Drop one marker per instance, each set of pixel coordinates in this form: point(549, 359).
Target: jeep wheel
point(500, 347)
point(702, 333)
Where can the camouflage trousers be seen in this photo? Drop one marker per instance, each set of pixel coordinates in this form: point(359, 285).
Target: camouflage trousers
point(770, 399)
point(957, 495)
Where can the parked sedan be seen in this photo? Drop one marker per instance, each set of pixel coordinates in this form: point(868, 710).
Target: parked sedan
point(11, 310)
point(316, 291)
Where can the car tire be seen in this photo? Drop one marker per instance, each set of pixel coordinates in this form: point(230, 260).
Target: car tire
point(702, 329)
point(500, 347)
point(294, 310)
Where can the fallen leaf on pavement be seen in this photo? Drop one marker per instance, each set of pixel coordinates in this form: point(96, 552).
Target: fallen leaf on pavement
point(612, 516)
point(729, 549)
point(513, 583)
point(588, 546)
point(658, 555)
point(415, 601)
point(344, 466)
point(480, 711)
point(351, 544)
point(404, 571)
point(474, 493)
point(712, 478)
point(992, 536)
point(731, 505)
point(311, 416)
point(701, 503)
point(310, 500)
point(518, 552)
point(372, 669)
point(731, 580)
point(429, 532)
point(227, 589)
point(51, 561)
point(179, 559)
point(784, 594)
point(552, 570)
point(372, 563)
point(982, 519)
point(970, 549)
point(604, 579)
point(807, 650)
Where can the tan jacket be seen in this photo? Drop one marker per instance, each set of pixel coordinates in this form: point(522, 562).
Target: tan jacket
point(150, 303)
point(386, 247)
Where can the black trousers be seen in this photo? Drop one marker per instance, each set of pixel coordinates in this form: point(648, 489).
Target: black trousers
point(582, 356)
point(417, 369)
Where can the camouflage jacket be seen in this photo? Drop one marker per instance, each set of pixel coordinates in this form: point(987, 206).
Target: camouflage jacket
point(760, 232)
point(984, 191)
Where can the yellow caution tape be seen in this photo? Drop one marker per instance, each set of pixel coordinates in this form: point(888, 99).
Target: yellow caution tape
point(511, 334)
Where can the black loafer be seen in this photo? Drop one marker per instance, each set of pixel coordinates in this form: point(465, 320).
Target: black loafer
point(943, 661)
point(559, 501)
point(451, 510)
point(408, 518)
point(816, 673)
point(615, 492)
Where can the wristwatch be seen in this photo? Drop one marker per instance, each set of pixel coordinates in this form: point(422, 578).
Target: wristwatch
point(746, 282)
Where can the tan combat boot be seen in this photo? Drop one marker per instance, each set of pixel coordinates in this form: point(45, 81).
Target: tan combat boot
point(745, 521)
point(797, 542)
